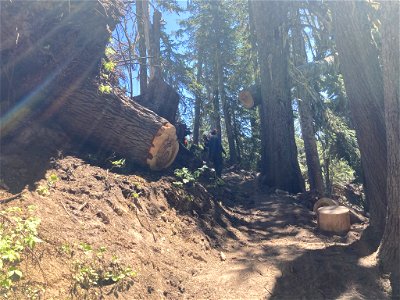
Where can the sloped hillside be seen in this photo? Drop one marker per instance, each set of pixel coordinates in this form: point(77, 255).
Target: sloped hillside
point(106, 235)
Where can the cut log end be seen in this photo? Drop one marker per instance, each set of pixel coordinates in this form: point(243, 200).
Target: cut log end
point(334, 219)
point(246, 99)
point(164, 148)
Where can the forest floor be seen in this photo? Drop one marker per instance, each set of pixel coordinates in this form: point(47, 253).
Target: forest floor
point(201, 241)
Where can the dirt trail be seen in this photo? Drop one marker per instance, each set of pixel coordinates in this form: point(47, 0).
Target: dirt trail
point(275, 252)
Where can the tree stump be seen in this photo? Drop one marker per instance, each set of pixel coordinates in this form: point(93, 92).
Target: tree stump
point(334, 219)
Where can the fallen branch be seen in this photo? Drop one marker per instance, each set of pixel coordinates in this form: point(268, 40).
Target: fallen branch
point(6, 200)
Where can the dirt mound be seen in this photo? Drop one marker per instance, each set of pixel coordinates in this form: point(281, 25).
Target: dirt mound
point(130, 217)
point(107, 235)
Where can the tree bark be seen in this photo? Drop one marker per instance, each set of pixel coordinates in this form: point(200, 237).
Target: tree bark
point(117, 124)
point(363, 82)
point(281, 168)
point(161, 98)
point(389, 253)
point(142, 47)
point(306, 118)
point(225, 108)
point(155, 37)
point(197, 105)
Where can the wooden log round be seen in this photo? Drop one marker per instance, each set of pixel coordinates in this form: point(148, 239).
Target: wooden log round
point(251, 96)
point(164, 148)
point(324, 202)
point(246, 99)
point(334, 219)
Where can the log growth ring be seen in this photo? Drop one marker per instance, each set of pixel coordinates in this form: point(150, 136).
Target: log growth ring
point(246, 99)
point(164, 148)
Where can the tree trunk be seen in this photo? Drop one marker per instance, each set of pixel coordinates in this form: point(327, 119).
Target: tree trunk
point(306, 118)
point(197, 105)
point(389, 252)
point(225, 109)
point(155, 37)
point(142, 47)
point(147, 34)
point(161, 98)
point(281, 168)
point(363, 81)
point(251, 97)
point(63, 82)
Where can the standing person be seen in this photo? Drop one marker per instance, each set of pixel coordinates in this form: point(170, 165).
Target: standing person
point(215, 151)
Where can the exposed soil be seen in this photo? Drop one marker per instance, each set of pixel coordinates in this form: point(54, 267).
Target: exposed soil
point(235, 241)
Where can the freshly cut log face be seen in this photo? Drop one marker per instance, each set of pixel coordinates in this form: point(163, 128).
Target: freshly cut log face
point(334, 219)
point(164, 148)
point(246, 99)
point(324, 202)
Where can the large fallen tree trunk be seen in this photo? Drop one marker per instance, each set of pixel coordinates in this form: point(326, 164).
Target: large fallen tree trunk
point(49, 69)
point(120, 125)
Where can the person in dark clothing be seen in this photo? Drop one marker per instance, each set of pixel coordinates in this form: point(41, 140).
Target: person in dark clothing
point(215, 151)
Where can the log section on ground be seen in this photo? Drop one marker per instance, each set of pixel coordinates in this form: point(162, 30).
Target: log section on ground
point(113, 122)
point(334, 219)
point(160, 98)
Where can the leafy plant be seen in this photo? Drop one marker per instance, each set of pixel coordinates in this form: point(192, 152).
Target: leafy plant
point(93, 271)
point(105, 89)
point(44, 189)
point(18, 237)
point(186, 176)
point(109, 66)
point(120, 163)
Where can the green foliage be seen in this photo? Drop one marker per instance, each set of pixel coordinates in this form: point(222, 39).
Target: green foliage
point(186, 176)
point(109, 66)
point(92, 271)
point(120, 163)
point(18, 237)
point(105, 89)
point(109, 52)
point(341, 173)
point(44, 189)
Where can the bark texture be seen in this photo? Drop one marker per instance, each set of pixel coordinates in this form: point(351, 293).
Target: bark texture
point(389, 252)
point(120, 125)
point(364, 87)
point(142, 47)
point(160, 98)
point(306, 118)
point(280, 166)
point(197, 104)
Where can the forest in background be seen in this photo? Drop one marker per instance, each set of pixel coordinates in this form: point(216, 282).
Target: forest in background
point(319, 80)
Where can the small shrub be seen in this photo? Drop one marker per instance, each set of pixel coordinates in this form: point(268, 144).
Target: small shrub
point(18, 237)
point(92, 271)
point(186, 176)
point(44, 189)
